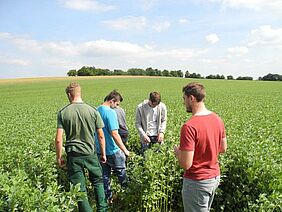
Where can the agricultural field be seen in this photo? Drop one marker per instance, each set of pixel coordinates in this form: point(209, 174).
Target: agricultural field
point(251, 168)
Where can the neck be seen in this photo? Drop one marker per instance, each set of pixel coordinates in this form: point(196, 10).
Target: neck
point(200, 109)
point(106, 103)
point(76, 99)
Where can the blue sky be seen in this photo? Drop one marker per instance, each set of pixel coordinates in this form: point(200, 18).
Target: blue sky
point(229, 37)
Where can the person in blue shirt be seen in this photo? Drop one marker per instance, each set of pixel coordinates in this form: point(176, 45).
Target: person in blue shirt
point(116, 151)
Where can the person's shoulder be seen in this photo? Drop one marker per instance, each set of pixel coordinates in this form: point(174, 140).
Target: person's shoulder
point(162, 105)
point(216, 116)
point(145, 102)
point(64, 108)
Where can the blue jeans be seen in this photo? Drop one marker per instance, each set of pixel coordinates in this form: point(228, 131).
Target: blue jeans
point(197, 195)
point(115, 163)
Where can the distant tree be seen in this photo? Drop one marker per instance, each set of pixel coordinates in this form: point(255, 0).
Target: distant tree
point(85, 71)
point(179, 73)
point(165, 73)
point(210, 76)
point(230, 77)
point(187, 74)
point(72, 72)
point(215, 76)
point(173, 73)
point(271, 77)
point(195, 75)
point(135, 71)
point(244, 78)
point(158, 72)
point(119, 72)
point(102, 72)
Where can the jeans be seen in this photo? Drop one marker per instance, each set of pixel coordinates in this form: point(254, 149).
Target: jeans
point(76, 174)
point(115, 163)
point(197, 195)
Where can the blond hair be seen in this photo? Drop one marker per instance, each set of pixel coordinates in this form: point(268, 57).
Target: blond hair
point(73, 89)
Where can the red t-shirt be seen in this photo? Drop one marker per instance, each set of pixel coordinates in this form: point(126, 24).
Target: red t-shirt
point(203, 134)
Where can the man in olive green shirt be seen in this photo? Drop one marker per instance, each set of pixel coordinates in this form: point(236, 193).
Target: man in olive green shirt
point(80, 123)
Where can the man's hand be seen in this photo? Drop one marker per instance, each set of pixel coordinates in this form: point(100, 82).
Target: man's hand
point(103, 158)
point(160, 138)
point(176, 151)
point(146, 139)
point(61, 163)
point(127, 153)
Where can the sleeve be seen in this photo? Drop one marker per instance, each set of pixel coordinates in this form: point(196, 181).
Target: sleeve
point(138, 121)
point(187, 138)
point(59, 121)
point(223, 131)
point(112, 122)
point(163, 118)
point(99, 121)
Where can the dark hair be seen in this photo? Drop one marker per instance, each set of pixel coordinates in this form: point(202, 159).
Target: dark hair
point(155, 97)
point(195, 89)
point(113, 95)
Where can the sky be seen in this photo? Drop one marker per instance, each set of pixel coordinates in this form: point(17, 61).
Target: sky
point(226, 37)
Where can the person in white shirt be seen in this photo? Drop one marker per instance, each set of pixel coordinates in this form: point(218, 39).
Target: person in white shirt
point(151, 118)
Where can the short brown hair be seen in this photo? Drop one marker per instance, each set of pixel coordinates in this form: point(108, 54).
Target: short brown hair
point(195, 89)
point(116, 96)
point(73, 89)
point(155, 97)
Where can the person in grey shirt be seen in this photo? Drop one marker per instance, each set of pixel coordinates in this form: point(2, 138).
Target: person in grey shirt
point(151, 117)
point(123, 129)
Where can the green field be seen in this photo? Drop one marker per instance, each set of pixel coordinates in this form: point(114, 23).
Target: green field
point(251, 168)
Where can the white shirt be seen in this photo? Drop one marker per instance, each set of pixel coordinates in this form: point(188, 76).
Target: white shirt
point(152, 124)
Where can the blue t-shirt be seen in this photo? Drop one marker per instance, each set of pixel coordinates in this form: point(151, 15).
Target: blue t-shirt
point(110, 120)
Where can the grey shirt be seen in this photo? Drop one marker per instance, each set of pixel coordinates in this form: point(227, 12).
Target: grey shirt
point(121, 120)
point(142, 118)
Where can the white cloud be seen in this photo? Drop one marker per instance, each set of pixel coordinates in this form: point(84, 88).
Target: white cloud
point(183, 21)
point(13, 61)
point(21, 42)
point(161, 26)
point(65, 52)
point(92, 5)
point(148, 4)
point(109, 48)
point(130, 22)
point(238, 50)
point(137, 23)
point(181, 53)
point(212, 38)
point(265, 35)
point(259, 5)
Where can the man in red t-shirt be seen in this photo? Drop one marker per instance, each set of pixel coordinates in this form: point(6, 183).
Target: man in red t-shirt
point(202, 138)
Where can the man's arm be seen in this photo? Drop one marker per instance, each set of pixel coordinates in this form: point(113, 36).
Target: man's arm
point(163, 118)
point(101, 139)
point(185, 158)
point(223, 145)
point(59, 146)
point(138, 122)
point(119, 142)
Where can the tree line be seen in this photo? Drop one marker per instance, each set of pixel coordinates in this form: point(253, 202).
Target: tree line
point(92, 71)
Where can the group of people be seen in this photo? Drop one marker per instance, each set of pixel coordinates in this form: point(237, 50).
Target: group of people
point(96, 140)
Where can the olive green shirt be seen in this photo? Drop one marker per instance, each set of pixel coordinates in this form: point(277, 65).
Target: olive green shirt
point(80, 121)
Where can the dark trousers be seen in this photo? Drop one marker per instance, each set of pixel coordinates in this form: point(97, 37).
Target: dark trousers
point(76, 174)
point(153, 140)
